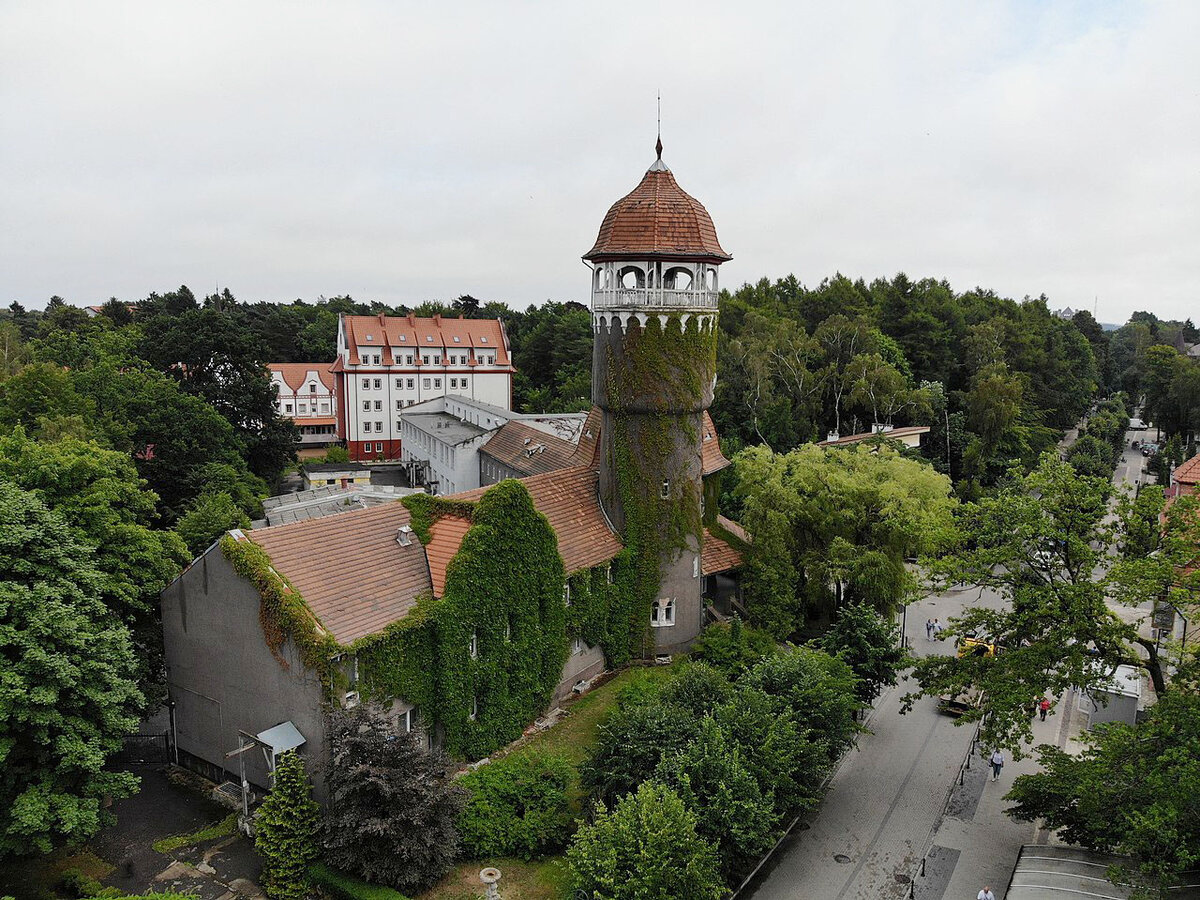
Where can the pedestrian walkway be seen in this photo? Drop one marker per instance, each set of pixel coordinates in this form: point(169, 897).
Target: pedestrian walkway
point(897, 796)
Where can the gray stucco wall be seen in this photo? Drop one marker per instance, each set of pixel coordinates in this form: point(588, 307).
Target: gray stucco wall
point(223, 677)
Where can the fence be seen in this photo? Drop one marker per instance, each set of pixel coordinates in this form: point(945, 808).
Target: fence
point(144, 748)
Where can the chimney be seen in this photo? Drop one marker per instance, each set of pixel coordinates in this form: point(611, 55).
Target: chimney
point(412, 321)
point(437, 319)
point(403, 535)
point(382, 320)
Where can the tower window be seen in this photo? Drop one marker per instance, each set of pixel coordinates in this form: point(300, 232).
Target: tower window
point(474, 714)
point(473, 645)
point(664, 491)
point(663, 613)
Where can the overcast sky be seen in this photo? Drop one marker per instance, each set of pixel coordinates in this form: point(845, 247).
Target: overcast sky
point(405, 152)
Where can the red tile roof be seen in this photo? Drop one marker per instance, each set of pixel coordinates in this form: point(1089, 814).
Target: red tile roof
point(569, 499)
point(528, 450)
point(657, 219)
point(295, 374)
point(314, 420)
point(352, 573)
point(1189, 471)
point(445, 537)
point(437, 333)
point(711, 457)
point(717, 554)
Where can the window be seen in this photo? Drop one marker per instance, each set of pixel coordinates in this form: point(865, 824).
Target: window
point(410, 383)
point(303, 407)
point(463, 382)
point(312, 388)
point(567, 594)
point(375, 359)
point(474, 714)
point(425, 358)
point(577, 647)
point(324, 407)
point(378, 404)
point(403, 338)
point(379, 427)
point(437, 382)
point(399, 404)
point(367, 429)
point(696, 566)
point(457, 339)
point(399, 383)
point(425, 383)
point(331, 481)
point(473, 644)
point(406, 722)
point(411, 402)
point(483, 340)
point(378, 381)
point(608, 573)
point(366, 405)
point(453, 382)
point(664, 491)
point(437, 359)
point(366, 384)
point(378, 447)
point(429, 338)
point(287, 407)
point(508, 630)
point(662, 613)
point(408, 359)
point(399, 425)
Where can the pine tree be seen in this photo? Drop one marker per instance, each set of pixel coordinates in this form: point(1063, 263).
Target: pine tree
point(391, 807)
point(285, 831)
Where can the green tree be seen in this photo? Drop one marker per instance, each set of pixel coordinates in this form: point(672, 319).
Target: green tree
point(285, 831)
point(66, 674)
point(392, 808)
point(731, 809)
point(1133, 791)
point(631, 743)
point(209, 517)
point(868, 643)
point(1039, 543)
point(732, 647)
point(39, 390)
point(647, 848)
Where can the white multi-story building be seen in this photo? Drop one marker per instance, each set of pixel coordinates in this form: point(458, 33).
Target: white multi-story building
point(306, 394)
point(386, 364)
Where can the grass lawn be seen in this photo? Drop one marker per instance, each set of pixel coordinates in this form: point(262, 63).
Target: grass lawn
point(573, 736)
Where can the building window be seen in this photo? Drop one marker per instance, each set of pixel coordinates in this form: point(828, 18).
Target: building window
point(287, 407)
point(399, 383)
point(376, 361)
point(399, 424)
point(425, 358)
point(473, 644)
point(410, 383)
point(437, 382)
point(425, 383)
point(366, 384)
point(324, 407)
point(411, 402)
point(378, 381)
point(474, 714)
point(437, 359)
point(567, 594)
point(664, 490)
point(366, 406)
point(408, 359)
point(696, 566)
point(379, 447)
point(399, 404)
point(367, 429)
point(608, 573)
point(331, 481)
point(406, 722)
point(453, 382)
point(483, 340)
point(463, 382)
point(457, 339)
point(662, 613)
point(378, 404)
point(312, 388)
point(379, 426)
point(303, 407)
point(577, 646)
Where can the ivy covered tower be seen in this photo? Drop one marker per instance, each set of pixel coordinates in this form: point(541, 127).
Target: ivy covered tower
point(654, 314)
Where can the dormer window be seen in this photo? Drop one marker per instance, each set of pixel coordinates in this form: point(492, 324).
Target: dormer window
point(312, 388)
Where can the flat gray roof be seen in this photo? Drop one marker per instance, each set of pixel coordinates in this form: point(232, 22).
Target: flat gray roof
point(1072, 873)
point(443, 426)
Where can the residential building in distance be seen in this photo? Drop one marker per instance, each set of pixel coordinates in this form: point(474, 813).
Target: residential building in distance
point(306, 394)
point(386, 364)
point(909, 436)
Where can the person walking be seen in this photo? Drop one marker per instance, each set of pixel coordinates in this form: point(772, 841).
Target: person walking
point(929, 629)
point(985, 894)
point(1044, 707)
point(997, 763)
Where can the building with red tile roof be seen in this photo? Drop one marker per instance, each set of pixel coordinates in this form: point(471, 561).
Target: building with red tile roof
point(1187, 475)
point(387, 363)
point(306, 394)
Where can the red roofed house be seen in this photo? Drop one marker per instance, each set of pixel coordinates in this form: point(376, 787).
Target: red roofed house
point(1187, 475)
point(388, 363)
point(255, 626)
point(306, 394)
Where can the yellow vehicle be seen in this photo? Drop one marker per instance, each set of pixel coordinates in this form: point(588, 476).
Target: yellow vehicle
point(971, 697)
point(969, 646)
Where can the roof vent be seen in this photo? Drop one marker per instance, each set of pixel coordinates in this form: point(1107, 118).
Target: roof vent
point(403, 535)
point(370, 337)
point(527, 440)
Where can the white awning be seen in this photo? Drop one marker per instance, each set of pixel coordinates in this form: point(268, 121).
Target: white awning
point(283, 737)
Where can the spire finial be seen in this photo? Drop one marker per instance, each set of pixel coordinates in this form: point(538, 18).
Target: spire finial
point(658, 143)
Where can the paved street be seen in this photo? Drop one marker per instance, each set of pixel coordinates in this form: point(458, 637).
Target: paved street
point(892, 798)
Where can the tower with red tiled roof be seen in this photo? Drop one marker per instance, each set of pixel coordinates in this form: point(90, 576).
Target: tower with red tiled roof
point(654, 314)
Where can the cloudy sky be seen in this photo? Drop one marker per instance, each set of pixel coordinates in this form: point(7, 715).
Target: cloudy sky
point(412, 151)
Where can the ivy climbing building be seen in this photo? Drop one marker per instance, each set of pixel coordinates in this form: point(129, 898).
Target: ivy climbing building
point(467, 616)
point(654, 315)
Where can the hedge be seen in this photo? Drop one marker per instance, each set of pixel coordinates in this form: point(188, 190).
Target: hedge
point(347, 888)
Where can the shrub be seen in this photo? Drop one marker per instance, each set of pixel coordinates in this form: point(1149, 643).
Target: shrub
point(630, 745)
point(517, 806)
point(733, 647)
point(647, 847)
point(345, 887)
point(698, 688)
point(285, 831)
point(868, 643)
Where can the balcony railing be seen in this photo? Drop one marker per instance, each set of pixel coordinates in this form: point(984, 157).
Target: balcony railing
point(642, 298)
